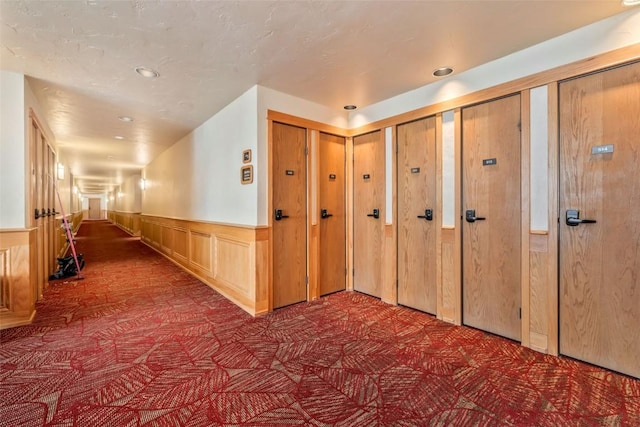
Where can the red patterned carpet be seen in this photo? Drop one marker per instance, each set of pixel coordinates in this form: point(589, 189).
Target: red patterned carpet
point(140, 342)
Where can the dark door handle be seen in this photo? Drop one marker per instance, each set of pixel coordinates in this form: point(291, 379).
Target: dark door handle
point(470, 216)
point(573, 218)
point(279, 216)
point(325, 214)
point(37, 214)
point(375, 213)
point(428, 215)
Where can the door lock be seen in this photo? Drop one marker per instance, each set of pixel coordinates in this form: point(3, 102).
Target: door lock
point(470, 216)
point(375, 213)
point(428, 215)
point(572, 218)
point(279, 216)
point(325, 214)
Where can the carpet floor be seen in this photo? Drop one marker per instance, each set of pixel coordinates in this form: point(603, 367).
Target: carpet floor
point(141, 342)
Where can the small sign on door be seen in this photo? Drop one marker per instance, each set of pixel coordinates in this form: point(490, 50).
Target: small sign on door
point(490, 162)
point(366, 176)
point(602, 149)
point(415, 170)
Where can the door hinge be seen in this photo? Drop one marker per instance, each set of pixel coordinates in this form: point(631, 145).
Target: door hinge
point(307, 280)
point(519, 312)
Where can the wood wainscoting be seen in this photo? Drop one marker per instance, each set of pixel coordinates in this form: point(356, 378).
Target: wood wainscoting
point(128, 221)
point(232, 259)
point(18, 277)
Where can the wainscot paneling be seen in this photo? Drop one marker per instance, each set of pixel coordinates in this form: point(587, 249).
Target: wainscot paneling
point(18, 272)
point(128, 221)
point(231, 259)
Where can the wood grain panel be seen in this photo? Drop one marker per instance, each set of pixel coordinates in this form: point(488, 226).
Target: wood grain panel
point(18, 277)
point(180, 239)
point(234, 264)
point(552, 273)
point(288, 144)
point(368, 194)
point(167, 239)
point(599, 298)
point(416, 183)
point(332, 236)
point(538, 298)
point(5, 303)
point(450, 289)
point(200, 250)
point(492, 247)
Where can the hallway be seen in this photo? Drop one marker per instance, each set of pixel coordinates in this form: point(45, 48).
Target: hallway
point(141, 342)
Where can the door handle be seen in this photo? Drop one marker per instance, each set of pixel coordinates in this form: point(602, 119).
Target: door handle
point(470, 216)
point(279, 216)
point(325, 214)
point(572, 218)
point(428, 215)
point(375, 213)
point(37, 214)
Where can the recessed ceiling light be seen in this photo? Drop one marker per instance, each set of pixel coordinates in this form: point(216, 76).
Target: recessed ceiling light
point(350, 107)
point(147, 72)
point(442, 71)
point(119, 137)
point(125, 119)
point(630, 2)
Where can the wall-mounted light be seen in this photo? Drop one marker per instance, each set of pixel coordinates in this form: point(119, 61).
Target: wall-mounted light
point(630, 2)
point(75, 189)
point(143, 184)
point(60, 171)
point(120, 194)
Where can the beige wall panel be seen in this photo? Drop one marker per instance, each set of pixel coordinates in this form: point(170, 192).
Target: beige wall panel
point(538, 320)
point(180, 239)
point(5, 303)
point(167, 239)
point(156, 234)
point(450, 289)
point(234, 264)
point(201, 250)
point(19, 272)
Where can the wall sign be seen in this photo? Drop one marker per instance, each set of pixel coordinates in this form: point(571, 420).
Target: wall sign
point(602, 149)
point(490, 162)
point(246, 156)
point(246, 174)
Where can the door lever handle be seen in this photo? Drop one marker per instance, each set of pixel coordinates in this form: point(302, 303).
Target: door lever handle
point(470, 216)
point(428, 215)
point(279, 216)
point(325, 214)
point(572, 218)
point(375, 213)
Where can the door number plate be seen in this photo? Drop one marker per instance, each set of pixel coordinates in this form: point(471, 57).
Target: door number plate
point(602, 149)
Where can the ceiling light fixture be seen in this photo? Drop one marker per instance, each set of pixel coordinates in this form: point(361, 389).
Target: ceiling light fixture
point(147, 72)
point(442, 71)
point(125, 119)
point(630, 2)
point(119, 137)
point(350, 107)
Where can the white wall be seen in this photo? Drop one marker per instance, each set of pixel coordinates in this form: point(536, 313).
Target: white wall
point(13, 188)
point(199, 177)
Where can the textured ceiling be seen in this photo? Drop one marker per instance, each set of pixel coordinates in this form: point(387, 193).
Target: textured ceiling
point(80, 58)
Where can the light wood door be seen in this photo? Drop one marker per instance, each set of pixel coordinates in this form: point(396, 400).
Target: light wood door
point(41, 210)
point(331, 217)
point(368, 212)
point(491, 191)
point(94, 208)
point(600, 178)
point(416, 214)
point(289, 216)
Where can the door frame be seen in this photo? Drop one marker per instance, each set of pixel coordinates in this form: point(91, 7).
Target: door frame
point(313, 130)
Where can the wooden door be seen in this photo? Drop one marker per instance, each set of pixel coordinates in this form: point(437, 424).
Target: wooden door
point(416, 214)
point(368, 212)
point(491, 223)
point(289, 217)
point(332, 222)
point(40, 207)
point(94, 208)
point(600, 179)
